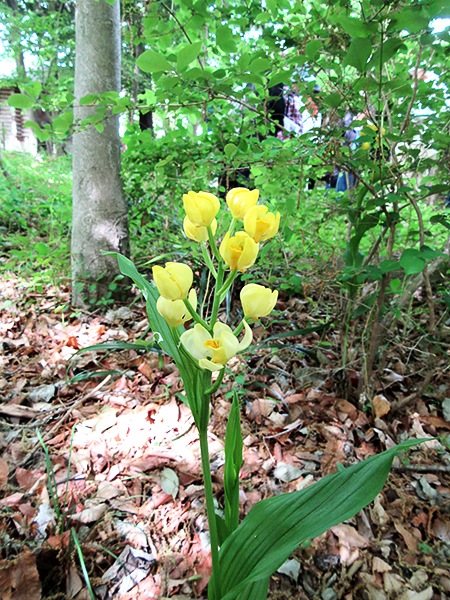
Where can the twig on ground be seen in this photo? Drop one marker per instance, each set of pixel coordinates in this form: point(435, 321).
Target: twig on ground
point(422, 469)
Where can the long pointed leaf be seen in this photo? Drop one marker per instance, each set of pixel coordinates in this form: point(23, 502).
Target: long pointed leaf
point(256, 591)
point(163, 334)
point(275, 527)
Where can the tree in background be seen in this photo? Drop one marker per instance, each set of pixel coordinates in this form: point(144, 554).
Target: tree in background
point(100, 221)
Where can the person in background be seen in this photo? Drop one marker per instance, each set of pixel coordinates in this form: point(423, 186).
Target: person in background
point(311, 117)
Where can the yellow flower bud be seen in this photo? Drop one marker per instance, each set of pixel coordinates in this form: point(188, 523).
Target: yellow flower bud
point(214, 352)
point(260, 224)
point(198, 233)
point(201, 207)
point(173, 281)
point(240, 200)
point(174, 312)
point(257, 300)
point(239, 252)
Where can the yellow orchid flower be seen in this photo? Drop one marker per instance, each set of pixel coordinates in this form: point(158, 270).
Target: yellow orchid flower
point(239, 251)
point(201, 207)
point(257, 300)
point(240, 200)
point(198, 233)
point(173, 281)
point(214, 352)
point(174, 312)
point(260, 224)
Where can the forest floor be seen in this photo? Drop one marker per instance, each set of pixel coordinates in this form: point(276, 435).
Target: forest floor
point(116, 495)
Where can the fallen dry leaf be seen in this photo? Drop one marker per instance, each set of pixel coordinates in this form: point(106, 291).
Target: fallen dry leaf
point(426, 594)
point(4, 469)
point(381, 406)
point(73, 583)
point(411, 542)
point(441, 529)
point(349, 536)
point(19, 579)
point(380, 566)
point(16, 410)
point(91, 513)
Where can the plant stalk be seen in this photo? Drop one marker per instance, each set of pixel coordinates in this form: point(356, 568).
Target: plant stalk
point(209, 496)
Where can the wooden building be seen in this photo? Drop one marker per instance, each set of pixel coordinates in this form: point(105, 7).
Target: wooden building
point(13, 135)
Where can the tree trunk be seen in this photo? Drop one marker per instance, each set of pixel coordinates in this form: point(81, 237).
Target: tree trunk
point(100, 220)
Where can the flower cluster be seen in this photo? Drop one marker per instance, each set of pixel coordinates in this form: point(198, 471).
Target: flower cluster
point(213, 344)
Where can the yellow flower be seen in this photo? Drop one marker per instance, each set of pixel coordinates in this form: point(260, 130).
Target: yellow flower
point(260, 224)
point(239, 252)
point(214, 352)
point(198, 233)
point(240, 200)
point(257, 300)
point(173, 281)
point(201, 207)
point(366, 145)
point(174, 312)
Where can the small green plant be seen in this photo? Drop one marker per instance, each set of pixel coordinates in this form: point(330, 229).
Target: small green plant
point(60, 508)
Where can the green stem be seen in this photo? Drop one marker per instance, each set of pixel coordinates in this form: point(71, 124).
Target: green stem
point(232, 227)
point(226, 286)
point(209, 496)
point(212, 243)
point(195, 316)
point(347, 327)
point(240, 327)
point(213, 389)
point(208, 261)
point(216, 302)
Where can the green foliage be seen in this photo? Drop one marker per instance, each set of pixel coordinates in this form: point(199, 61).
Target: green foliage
point(275, 527)
point(35, 218)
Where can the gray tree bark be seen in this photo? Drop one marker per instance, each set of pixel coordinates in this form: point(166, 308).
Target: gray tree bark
point(100, 220)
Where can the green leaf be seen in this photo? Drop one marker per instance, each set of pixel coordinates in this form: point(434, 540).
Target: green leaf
point(233, 464)
point(395, 284)
point(42, 249)
point(33, 89)
point(442, 219)
point(188, 54)
point(62, 122)
point(89, 99)
point(260, 64)
point(385, 52)
point(222, 529)
point(256, 591)
point(230, 150)
point(138, 345)
point(275, 527)
point(388, 265)
point(411, 261)
point(333, 99)
point(280, 77)
point(358, 54)
point(312, 48)
point(355, 27)
point(41, 134)
point(412, 20)
point(152, 62)
point(224, 38)
point(20, 101)
point(162, 332)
